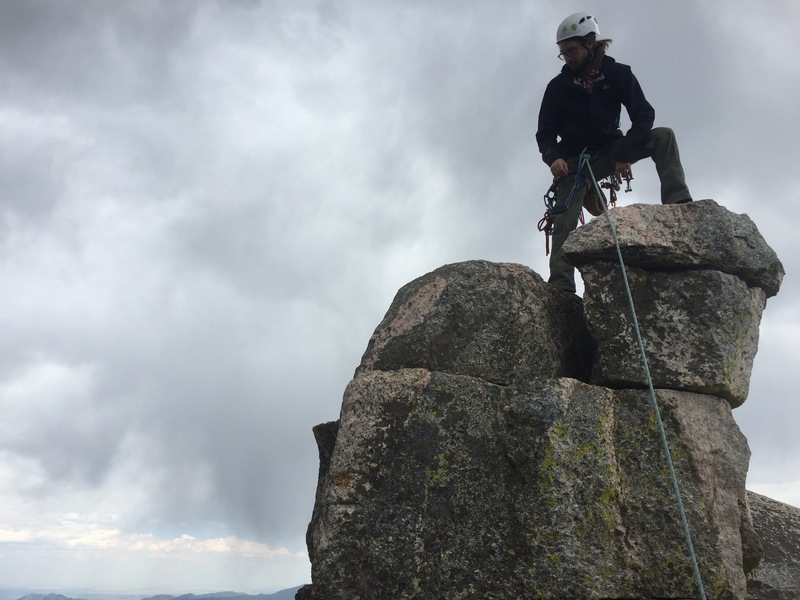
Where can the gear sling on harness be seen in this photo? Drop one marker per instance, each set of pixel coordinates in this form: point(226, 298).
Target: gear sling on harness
point(593, 201)
point(546, 225)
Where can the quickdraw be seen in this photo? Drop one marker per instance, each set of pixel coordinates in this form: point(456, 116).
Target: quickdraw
point(593, 204)
point(546, 222)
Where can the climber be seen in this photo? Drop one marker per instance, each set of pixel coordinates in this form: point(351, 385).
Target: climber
point(581, 111)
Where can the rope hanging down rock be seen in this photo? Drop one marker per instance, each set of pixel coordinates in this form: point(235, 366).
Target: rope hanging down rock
point(584, 160)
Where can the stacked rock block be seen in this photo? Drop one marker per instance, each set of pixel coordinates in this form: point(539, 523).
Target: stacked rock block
point(494, 443)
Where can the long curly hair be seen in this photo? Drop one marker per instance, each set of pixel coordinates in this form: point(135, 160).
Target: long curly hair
point(599, 47)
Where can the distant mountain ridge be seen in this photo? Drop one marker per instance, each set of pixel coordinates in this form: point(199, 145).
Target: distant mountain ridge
point(213, 596)
point(45, 597)
point(287, 594)
point(281, 595)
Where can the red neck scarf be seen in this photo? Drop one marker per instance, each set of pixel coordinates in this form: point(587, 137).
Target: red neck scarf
point(591, 75)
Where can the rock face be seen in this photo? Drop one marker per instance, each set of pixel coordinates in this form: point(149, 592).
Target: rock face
point(497, 322)
point(699, 275)
point(699, 328)
point(488, 446)
point(778, 525)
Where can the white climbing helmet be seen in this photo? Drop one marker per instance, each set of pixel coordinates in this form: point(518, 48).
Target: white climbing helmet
point(577, 25)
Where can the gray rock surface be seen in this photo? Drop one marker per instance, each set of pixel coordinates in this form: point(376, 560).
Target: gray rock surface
point(499, 322)
point(697, 235)
point(778, 526)
point(460, 468)
point(448, 486)
point(699, 276)
point(699, 328)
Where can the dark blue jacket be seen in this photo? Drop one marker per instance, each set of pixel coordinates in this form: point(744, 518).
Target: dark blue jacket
point(571, 119)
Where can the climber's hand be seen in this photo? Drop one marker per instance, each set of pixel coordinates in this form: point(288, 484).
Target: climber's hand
point(622, 171)
point(559, 168)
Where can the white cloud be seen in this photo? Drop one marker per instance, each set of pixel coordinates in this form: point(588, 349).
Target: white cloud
point(787, 492)
point(75, 531)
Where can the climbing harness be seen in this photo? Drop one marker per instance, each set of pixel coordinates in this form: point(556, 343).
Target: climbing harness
point(654, 402)
point(594, 200)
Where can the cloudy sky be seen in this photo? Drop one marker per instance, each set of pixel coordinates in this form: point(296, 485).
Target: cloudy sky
point(207, 206)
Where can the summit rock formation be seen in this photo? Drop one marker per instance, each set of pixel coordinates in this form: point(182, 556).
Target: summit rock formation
point(498, 439)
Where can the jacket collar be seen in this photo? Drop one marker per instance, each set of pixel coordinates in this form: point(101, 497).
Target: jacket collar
point(568, 76)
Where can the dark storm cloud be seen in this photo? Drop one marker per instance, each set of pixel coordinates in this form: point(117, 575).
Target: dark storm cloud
point(189, 378)
point(92, 51)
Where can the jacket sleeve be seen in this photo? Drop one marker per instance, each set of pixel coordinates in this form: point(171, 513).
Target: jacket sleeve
point(550, 124)
point(640, 112)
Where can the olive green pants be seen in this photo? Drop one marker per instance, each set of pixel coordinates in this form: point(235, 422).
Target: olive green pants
point(660, 145)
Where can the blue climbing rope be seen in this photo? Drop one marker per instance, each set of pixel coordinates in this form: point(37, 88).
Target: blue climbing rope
point(584, 158)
